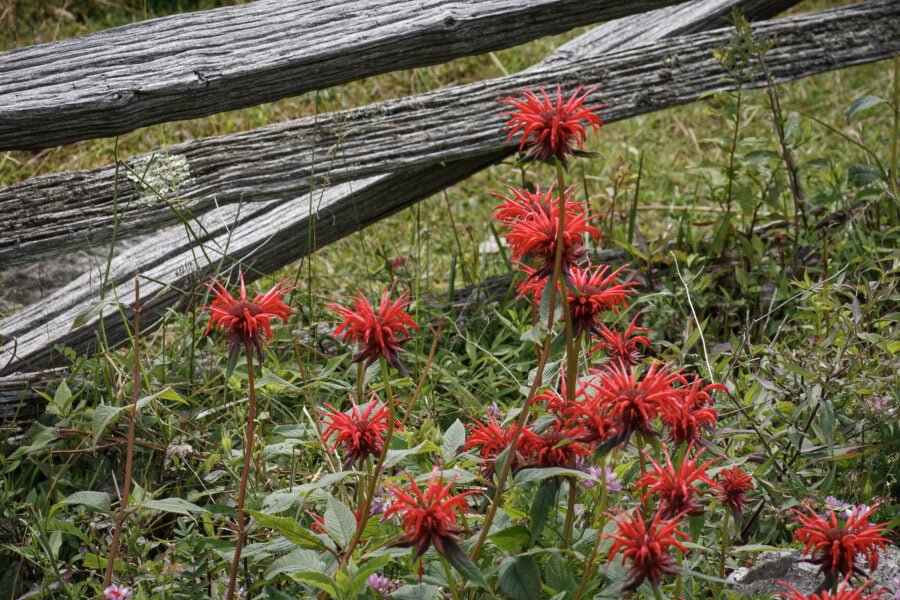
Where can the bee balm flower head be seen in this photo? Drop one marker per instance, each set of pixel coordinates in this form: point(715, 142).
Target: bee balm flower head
point(834, 546)
point(428, 515)
point(377, 333)
point(732, 485)
point(646, 549)
point(532, 220)
point(551, 127)
point(245, 322)
point(361, 433)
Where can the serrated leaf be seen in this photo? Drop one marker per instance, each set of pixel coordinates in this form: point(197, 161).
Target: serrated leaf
point(179, 506)
point(340, 522)
point(520, 578)
point(98, 501)
point(454, 438)
point(290, 529)
point(862, 104)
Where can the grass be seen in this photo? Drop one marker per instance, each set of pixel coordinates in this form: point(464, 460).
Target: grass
point(801, 328)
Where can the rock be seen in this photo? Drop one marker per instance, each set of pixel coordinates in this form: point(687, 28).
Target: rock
point(787, 565)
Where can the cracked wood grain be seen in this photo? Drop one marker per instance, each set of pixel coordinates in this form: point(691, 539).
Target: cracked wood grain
point(198, 64)
point(51, 214)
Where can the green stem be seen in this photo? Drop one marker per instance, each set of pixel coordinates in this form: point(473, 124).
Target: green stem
point(657, 594)
point(373, 482)
point(571, 350)
point(245, 473)
point(451, 581)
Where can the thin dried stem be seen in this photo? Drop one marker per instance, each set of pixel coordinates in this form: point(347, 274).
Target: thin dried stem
point(129, 452)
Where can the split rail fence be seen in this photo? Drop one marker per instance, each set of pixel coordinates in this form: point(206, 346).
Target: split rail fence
point(267, 197)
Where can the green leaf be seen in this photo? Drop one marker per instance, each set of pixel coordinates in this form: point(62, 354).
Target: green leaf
point(753, 548)
point(861, 175)
point(105, 416)
point(316, 579)
point(454, 438)
point(532, 475)
point(298, 560)
point(340, 522)
point(417, 592)
point(461, 562)
point(544, 502)
point(62, 399)
point(863, 104)
point(558, 575)
point(290, 529)
point(520, 578)
point(511, 538)
point(178, 506)
point(98, 501)
point(395, 456)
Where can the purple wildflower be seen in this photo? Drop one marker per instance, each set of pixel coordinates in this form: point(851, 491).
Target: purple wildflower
point(381, 585)
point(613, 483)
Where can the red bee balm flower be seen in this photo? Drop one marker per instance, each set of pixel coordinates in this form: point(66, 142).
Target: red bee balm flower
point(632, 400)
point(533, 222)
point(598, 290)
point(360, 434)
point(732, 485)
point(377, 334)
point(676, 493)
point(835, 547)
point(554, 447)
point(551, 128)
point(687, 417)
point(844, 593)
point(428, 517)
point(622, 347)
point(492, 437)
point(246, 323)
point(647, 549)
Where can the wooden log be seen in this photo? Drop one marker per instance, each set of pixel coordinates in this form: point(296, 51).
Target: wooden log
point(48, 215)
point(198, 64)
point(266, 236)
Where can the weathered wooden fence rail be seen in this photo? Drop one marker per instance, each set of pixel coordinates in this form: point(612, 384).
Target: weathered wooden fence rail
point(429, 146)
point(52, 214)
point(198, 64)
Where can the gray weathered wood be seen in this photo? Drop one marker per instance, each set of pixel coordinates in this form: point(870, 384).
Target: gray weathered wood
point(266, 236)
point(49, 214)
point(18, 399)
point(198, 64)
